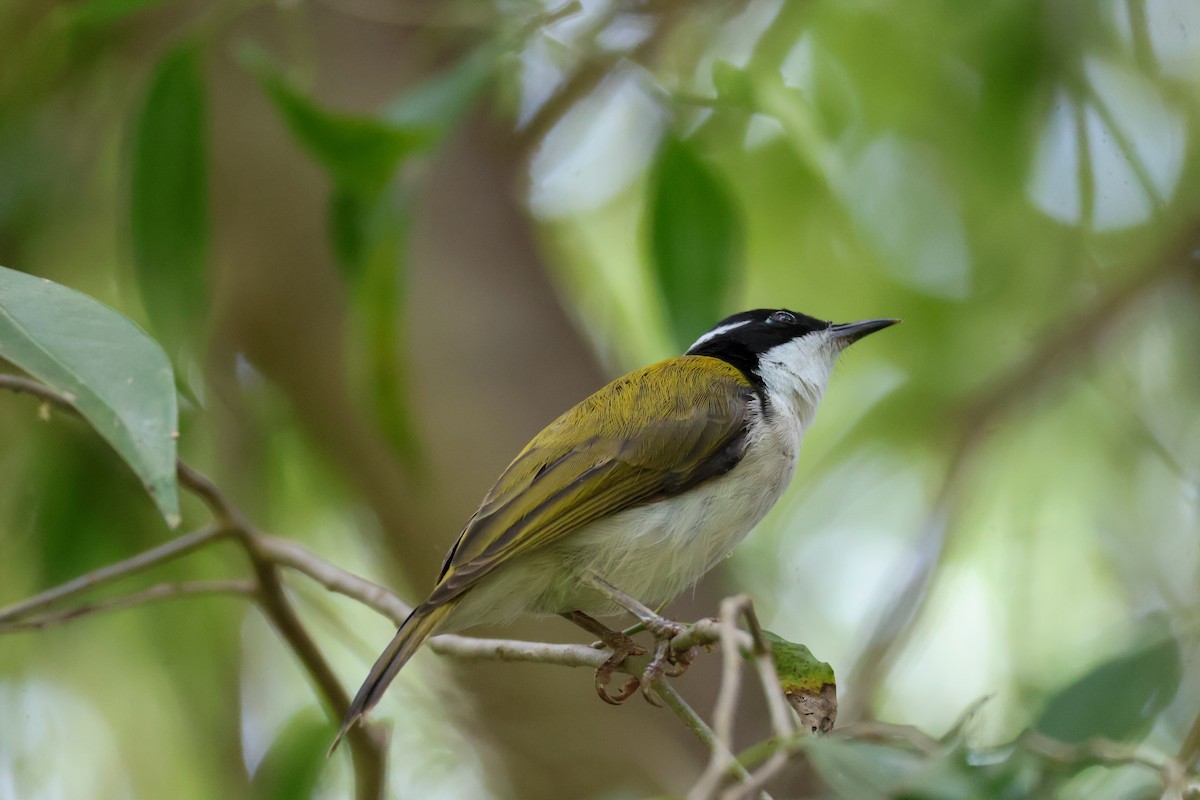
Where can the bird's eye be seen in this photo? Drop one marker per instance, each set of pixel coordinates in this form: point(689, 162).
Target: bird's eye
point(782, 318)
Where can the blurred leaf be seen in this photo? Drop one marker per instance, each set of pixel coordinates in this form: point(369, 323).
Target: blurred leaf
point(366, 221)
point(77, 505)
point(292, 766)
point(695, 239)
point(860, 770)
point(96, 13)
point(360, 152)
point(350, 222)
point(1121, 698)
point(734, 86)
point(370, 235)
point(114, 374)
point(169, 197)
point(440, 101)
point(808, 684)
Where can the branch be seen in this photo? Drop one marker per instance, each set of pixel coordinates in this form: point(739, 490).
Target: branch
point(173, 549)
point(367, 744)
point(733, 646)
point(297, 557)
point(161, 591)
point(268, 554)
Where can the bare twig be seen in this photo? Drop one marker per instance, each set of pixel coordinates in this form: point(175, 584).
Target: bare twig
point(1190, 750)
point(268, 554)
point(173, 549)
point(734, 644)
point(688, 716)
point(367, 744)
point(720, 758)
point(297, 557)
point(161, 591)
point(1105, 751)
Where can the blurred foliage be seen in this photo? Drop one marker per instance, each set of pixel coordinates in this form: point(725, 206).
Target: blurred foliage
point(695, 237)
point(345, 222)
point(169, 197)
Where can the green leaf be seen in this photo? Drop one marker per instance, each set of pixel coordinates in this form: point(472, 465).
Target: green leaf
point(169, 197)
point(116, 376)
point(98, 13)
point(359, 151)
point(735, 87)
point(440, 101)
point(861, 770)
point(808, 684)
point(695, 239)
point(292, 766)
point(370, 235)
point(1121, 698)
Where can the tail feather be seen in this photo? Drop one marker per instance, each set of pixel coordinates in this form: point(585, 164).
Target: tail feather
point(422, 623)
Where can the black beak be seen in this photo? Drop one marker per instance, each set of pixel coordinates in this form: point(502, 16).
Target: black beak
point(847, 333)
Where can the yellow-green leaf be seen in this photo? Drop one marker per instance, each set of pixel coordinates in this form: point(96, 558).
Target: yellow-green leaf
point(808, 684)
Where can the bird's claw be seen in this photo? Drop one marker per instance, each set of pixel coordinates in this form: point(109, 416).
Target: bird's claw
point(666, 661)
point(664, 628)
point(622, 648)
point(655, 670)
point(680, 662)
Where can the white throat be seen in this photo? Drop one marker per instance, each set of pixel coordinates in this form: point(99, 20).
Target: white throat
point(795, 374)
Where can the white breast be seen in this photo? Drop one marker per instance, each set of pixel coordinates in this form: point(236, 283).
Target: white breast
point(655, 552)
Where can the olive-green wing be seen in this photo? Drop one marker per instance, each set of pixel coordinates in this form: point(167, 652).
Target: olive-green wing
point(651, 434)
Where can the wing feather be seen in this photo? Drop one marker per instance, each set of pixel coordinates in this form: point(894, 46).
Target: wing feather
point(654, 433)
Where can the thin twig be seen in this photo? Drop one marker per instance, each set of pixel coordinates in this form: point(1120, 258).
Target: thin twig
point(759, 778)
point(692, 721)
point(366, 742)
point(287, 553)
point(1105, 751)
point(161, 591)
point(768, 678)
point(176, 548)
point(720, 758)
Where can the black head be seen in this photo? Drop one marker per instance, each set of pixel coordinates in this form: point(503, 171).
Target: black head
point(742, 338)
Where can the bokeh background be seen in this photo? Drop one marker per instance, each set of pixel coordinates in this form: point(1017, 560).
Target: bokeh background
point(384, 242)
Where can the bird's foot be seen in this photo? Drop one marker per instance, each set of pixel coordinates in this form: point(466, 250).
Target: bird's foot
point(622, 648)
point(663, 628)
point(666, 661)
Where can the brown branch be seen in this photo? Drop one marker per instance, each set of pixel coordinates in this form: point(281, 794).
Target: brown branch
point(1189, 751)
point(287, 553)
point(268, 554)
point(367, 744)
point(735, 644)
point(161, 591)
point(173, 549)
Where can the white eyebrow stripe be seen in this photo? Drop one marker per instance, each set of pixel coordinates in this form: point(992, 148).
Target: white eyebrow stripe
point(715, 332)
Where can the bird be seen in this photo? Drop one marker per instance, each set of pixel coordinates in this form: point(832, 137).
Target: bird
point(632, 495)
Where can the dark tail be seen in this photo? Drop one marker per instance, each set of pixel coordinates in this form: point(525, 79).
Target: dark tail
point(422, 623)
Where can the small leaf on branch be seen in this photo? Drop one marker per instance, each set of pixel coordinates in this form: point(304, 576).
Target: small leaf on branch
point(808, 684)
point(116, 376)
